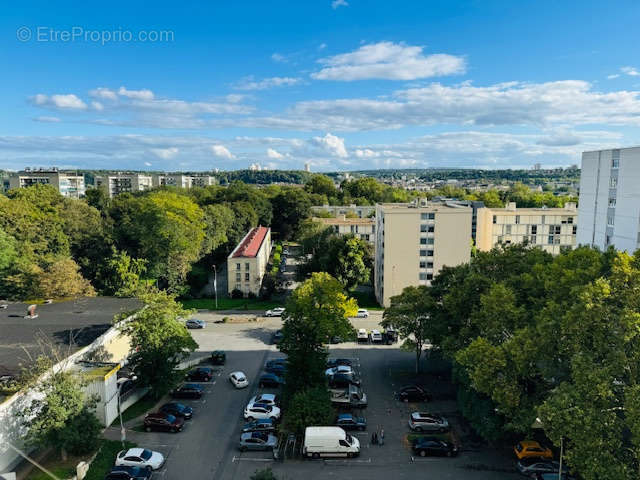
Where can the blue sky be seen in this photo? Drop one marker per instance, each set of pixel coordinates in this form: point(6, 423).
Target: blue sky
point(341, 84)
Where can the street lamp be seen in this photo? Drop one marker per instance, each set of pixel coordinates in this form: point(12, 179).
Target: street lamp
point(215, 284)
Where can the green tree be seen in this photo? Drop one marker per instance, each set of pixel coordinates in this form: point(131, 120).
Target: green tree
point(290, 207)
point(321, 185)
point(311, 406)
point(121, 274)
point(218, 221)
point(158, 339)
point(63, 280)
point(351, 261)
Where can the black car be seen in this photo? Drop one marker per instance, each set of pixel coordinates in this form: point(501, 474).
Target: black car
point(128, 473)
point(341, 380)
point(351, 422)
point(218, 357)
point(261, 425)
point(432, 446)
point(413, 393)
point(188, 390)
point(529, 466)
point(334, 362)
point(200, 374)
point(270, 380)
point(177, 410)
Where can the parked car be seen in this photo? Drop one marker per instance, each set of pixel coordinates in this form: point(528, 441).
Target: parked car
point(123, 472)
point(531, 448)
point(285, 252)
point(195, 323)
point(334, 362)
point(200, 374)
point(218, 357)
point(277, 368)
point(376, 336)
point(428, 422)
point(177, 410)
point(340, 380)
point(362, 335)
point(276, 361)
point(350, 422)
point(413, 393)
point(276, 337)
point(188, 390)
point(257, 441)
point(238, 379)
point(552, 476)
point(390, 335)
point(260, 425)
point(140, 457)
point(265, 399)
point(529, 466)
point(362, 313)
point(270, 380)
point(340, 370)
point(432, 446)
point(274, 312)
point(163, 422)
point(259, 410)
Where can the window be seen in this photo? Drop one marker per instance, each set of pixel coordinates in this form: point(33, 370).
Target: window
point(429, 253)
point(423, 228)
point(238, 276)
point(517, 219)
point(429, 276)
point(615, 161)
point(543, 219)
point(612, 202)
point(610, 219)
point(508, 229)
point(613, 182)
point(431, 228)
point(534, 229)
point(429, 264)
point(570, 220)
point(237, 266)
point(246, 266)
point(423, 276)
point(246, 277)
point(431, 216)
point(495, 219)
point(550, 240)
point(423, 241)
point(423, 216)
point(575, 230)
point(423, 264)
point(423, 253)
point(555, 229)
point(353, 229)
point(429, 241)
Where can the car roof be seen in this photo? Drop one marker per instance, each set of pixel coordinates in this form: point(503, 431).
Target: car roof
point(425, 415)
point(136, 451)
point(191, 385)
point(362, 330)
point(238, 374)
point(530, 443)
point(261, 405)
point(266, 396)
point(345, 416)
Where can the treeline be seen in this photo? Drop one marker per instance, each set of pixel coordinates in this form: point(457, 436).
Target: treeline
point(549, 343)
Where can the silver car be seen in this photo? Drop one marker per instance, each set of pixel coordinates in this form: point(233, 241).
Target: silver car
point(195, 323)
point(428, 422)
point(257, 441)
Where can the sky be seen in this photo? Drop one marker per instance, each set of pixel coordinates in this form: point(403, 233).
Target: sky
point(338, 84)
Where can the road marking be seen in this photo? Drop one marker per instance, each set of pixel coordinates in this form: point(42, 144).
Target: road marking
point(348, 461)
point(249, 459)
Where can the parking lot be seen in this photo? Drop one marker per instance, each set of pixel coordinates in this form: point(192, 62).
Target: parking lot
point(207, 448)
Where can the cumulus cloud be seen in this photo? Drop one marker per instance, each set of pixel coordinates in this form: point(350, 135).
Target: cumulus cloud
point(630, 71)
point(339, 3)
point(612, 76)
point(278, 57)
point(63, 102)
point(143, 94)
point(103, 93)
point(271, 153)
point(97, 105)
point(250, 84)
point(165, 153)
point(332, 144)
point(221, 151)
point(389, 61)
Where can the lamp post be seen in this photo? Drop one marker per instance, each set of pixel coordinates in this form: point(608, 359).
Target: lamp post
point(215, 284)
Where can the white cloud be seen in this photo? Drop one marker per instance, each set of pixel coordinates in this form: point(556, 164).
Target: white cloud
point(165, 153)
point(147, 164)
point(250, 84)
point(46, 119)
point(103, 93)
point(97, 106)
point(630, 71)
point(271, 153)
point(221, 151)
point(278, 57)
point(143, 94)
point(390, 61)
point(339, 3)
point(332, 144)
point(235, 97)
point(366, 153)
point(63, 102)
point(612, 76)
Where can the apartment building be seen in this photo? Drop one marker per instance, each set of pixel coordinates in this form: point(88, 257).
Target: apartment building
point(247, 263)
point(551, 229)
point(68, 184)
point(360, 211)
point(364, 228)
point(182, 181)
point(414, 241)
point(202, 180)
point(609, 202)
point(124, 183)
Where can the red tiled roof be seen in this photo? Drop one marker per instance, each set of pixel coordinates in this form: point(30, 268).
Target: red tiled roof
point(251, 243)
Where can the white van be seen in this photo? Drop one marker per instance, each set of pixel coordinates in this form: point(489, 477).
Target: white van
point(329, 442)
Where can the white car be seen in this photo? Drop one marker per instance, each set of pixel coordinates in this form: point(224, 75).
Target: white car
point(376, 336)
point(362, 335)
point(339, 370)
point(140, 457)
point(362, 313)
point(265, 399)
point(258, 411)
point(275, 312)
point(238, 379)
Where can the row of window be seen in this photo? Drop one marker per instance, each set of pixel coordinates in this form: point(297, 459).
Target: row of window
point(246, 266)
point(564, 220)
point(427, 228)
point(426, 276)
point(427, 216)
point(246, 277)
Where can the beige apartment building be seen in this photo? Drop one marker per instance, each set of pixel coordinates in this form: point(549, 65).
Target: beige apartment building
point(124, 183)
point(353, 210)
point(247, 263)
point(551, 229)
point(68, 184)
point(414, 241)
point(364, 228)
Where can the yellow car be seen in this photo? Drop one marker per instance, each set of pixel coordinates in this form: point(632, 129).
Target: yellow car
point(531, 449)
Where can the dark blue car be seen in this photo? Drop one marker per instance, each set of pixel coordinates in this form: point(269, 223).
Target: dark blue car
point(270, 380)
point(128, 473)
point(188, 390)
point(177, 410)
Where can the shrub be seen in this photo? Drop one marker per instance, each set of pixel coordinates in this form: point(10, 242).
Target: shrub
point(309, 407)
point(235, 293)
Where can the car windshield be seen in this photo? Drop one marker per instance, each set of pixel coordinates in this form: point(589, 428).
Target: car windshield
point(349, 439)
point(146, 454)
point(171, 418)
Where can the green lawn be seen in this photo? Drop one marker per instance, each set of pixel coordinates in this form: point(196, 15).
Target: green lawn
point(61, 471)
point(105, 459)
point(366, 300)
point(142, 406)
point(230, 304)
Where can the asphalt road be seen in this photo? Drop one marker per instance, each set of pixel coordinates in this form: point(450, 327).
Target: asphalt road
point(207, 448)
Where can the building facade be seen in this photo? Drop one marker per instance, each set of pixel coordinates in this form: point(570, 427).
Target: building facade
point(247, 263)
point(182, 181)
point(414, 241)
point(609, 203)
point(551, 229)
point(124, 183)
point(362, 211)
point(364, 228)
point(68, 184)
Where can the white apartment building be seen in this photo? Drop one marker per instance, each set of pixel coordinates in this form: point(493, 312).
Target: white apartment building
point(363, 228)
point(551, 229)
point(182, 181)
point(124, 183)
point(247, 263)
point(360, 211)
point(68, 184)
point(609, 203)
point(414, 241)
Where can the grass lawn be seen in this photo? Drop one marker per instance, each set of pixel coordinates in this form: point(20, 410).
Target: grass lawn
point(141, 407)
point(105, 459)
point(230, 304)
point(59, 468)
point(366, 300)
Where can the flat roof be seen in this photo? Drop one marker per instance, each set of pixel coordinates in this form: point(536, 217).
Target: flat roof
point(345, 221)
point(69, 325)
point(251, 243)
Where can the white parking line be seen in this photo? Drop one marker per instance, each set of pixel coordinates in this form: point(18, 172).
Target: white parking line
point(249, 459)
point(351, 460)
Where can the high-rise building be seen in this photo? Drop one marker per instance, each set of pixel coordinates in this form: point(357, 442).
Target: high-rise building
point(551, 229)
point(609, 203)
point(414, 241)
point(307, 167)
point(124, 182)
point(68, 184)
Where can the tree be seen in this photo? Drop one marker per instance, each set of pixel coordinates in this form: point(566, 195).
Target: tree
point(218, 221)
point(158, 339)
point(63, 279)
point(410, 314)
point(290, 208)
point(311, 406)
point(352, 261)
point(321, 185)
point(121, 274)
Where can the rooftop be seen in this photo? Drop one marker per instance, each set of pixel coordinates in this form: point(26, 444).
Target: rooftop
point(342, 220)
point(68, 325)
point(251, 243)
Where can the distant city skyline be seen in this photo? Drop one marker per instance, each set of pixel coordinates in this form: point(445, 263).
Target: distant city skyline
point(324, 85)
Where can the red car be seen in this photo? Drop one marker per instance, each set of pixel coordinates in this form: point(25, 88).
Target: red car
point(163, 421)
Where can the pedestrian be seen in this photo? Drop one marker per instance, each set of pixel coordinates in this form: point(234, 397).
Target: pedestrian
point(381, 437)
point(374, 438)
